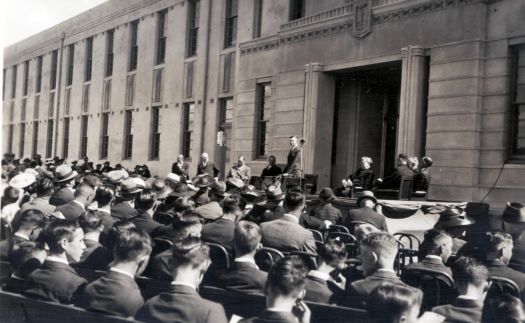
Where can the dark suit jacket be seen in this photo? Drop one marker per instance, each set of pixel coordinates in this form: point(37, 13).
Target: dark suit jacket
point(322, 291)
point(271, 171)
point(365, 214)
point(359, 290)
point(461, 310)
point(327, 211)
point(499, 269)
point(54, 281)
point(159, 266)
point(363, 178)
point(293, 162)
point(71, 210)
point(244, 277)
point(261, 213)
point(209, 169)
point(14, 285)
point(181, 171)
point(431, 263)
point(7, 245)
point(272, 317)
point(518, 253)
point(145, 222)
point(393, 180)
point(94, 257)
point(220, 232)
point(421, 180)
point(62, 196)
point(181, 304)
point(123, 211)
point(107, 220)
point(113, 294)
point(285, 234)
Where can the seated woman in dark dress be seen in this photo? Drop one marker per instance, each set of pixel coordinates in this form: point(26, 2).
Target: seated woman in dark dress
point(363, 177)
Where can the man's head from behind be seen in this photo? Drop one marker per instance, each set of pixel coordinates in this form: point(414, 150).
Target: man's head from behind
point(65, 237)
point(105, 195)
point(30, 220)
point(390, 303)
point(294, 201)
point(115, 232)
point(437, 243)
point(470, 277)
point(134, 246)
point(247, 238)
point(90, 221)
point(191, 258)
point(44, 187)
point(187, 224)
point(25, 257)
point(286, 279)
point(378, 250)
point(146, 199)
point(333, 253)
point(84, 194)
point(499, 246)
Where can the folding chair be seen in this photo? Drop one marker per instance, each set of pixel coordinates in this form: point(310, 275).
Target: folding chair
point(437, 286)
point(344, 237)
point(266, 257)
point(318, 236)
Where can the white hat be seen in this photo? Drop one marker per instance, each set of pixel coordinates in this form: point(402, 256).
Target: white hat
point(22, 180)
point(139, 182)
point(173, 177)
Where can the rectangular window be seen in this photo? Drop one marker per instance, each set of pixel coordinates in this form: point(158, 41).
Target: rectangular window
point(54, 70)
point(67, 101)
point(70, 64)
point(38, 85)
point(230, 35)
point(22, 140)
point(104, 139)
point(128, 134)
point(187, 128)
point(89, 59)
point(193, 27)
point(130, 90)
point(157, 85)
point(23, 110)
point(296, 9)
point(51, 106)
point(85, 98)
point(134, 46)
point(49, 142)
point(226, 111)
point(106, 95)
point(10, 138)
point(228, 71)
point(13, 82)
point(110, 35)
point(189, 79)
point(36, 109)
point(264, 93)
point(12, 111)
point(257, 18)
point(161, 36)
point(518, 103)
point(34, 149)
point(155, 133)
point(65, 146)
point(25, 86)
point(83, 136)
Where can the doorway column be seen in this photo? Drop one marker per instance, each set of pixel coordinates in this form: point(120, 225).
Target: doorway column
point(318, 122)
point(412, 100)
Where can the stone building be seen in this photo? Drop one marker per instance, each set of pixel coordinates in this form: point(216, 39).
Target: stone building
point(142, 81)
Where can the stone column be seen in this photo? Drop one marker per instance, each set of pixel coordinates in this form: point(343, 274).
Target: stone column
point(412, 100)
point(311, 97)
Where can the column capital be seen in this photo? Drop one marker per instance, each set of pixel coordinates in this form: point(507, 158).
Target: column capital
point(413, 50)
point(314, 67)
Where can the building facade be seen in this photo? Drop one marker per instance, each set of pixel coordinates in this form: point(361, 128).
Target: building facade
point(143, 81)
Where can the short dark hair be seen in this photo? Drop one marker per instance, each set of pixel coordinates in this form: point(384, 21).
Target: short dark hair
point(287, 276)
point(116, 230)
point(294, 199)
point(433, 239)
point(182, 222)
point(190, 251)
point(246, 237)
point(145, 199)
point(90, 221)
point(22, 257)
point(503, 308)
point(494, 240)
point(466, 270)
point(382, 243)
point(92, 180)
point(11, 195)
point(83, 190)
point(388, 302)
point(30, 218)
point(56, 231)
point(44, 186)
point(131, 244)
point(183, 204)
point(230, 204)
point(105, 194)
point(333, 252)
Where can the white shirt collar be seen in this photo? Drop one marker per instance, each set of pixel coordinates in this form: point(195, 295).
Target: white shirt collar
point(183, 284)
point(104, 210)
point(247, 259)
point(468, 297)
point(16, 277)
point(21, 235)
point(81, 205)
point(120, 271)
point(434, 257)
point(387, 270)
point(319, 274)
point(291, 216)
point(57, 259)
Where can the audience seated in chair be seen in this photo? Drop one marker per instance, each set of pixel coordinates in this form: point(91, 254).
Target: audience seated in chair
point(454, 221)
point(324, 215)
point(393, 180)
point(422, 177)
point(513, 218)
point(361, 179)
point(471, 279)
point(104, 196)
point(285, 290)
point(182, 303)
point(29, 227)
point(84, 195)
point(221, 230)
point(166, 217)
point(144, 204)
point(244, 275)
point(368, 212)
point(117, 293)
point(95, 256)
point(392, 303)
point(434, 251)
point(286, 234)
point(26, 257)
point(503, 308)
point(43, 189)
point(326, 283)
point(56, 280)
point(213, 210)
point(123, 209)
point(271, 210)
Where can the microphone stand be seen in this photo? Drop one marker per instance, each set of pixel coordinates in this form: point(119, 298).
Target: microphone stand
point(302, 141)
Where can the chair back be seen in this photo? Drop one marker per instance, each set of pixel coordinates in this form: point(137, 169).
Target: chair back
point(309, 259)
point(408, 240)
point(437, 286)
point(241, 304)
point(405, 188)
point(331, 313)
point(220, 262)
point(256, 181)
point(341, 236)
point(338, 228)
point(161, 245)
point(310, 183)
point(266, 257)
point(318, 236)
point(501, 286)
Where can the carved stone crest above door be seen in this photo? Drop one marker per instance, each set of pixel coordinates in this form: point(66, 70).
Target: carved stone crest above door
point(362, 10)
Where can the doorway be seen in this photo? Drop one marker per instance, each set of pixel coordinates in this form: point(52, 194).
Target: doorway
point(224, 140)
point(366, 114)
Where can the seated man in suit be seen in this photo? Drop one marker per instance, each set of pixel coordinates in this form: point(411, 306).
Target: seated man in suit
point(378, 252)
point(244, 275)
point(181, 168)
point(105, 295)
point(503, 308)
point(95, 256)
point(30, 224)
point(43, 189)
point(213, 210)
point(285, 290)
point(207, 167)
point(393, 180)
point(182, 303)
point(513, 218)
point(434, 251)
point(390, 303)
point(326, 284)
point(368, 212)
point(286, 234)
point(271, 170)
point(104, 196)
point(26, 257)
point(221, 230)
point(498, 248)
point(362, 178)
point(65, 179)
point(84, 195)
point(239, 175)
point(471, 280)
point(144, 204)
point(56, 280)
point(323, 215)
point(422, 177)
point(124, 208)
point(271, 210)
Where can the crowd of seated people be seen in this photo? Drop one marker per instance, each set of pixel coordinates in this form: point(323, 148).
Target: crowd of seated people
point(121, 244)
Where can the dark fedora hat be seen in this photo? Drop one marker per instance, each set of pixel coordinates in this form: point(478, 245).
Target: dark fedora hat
point(203, 182)
point(453, 217)
point(274, 193)
point(248, 191)
point(64, 173)
point(514, 213)
point(327, 194)
point(218, 188)
point(159, 186)
point(366, 195)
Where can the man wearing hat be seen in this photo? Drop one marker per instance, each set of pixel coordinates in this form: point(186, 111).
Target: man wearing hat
point(248, 195)
point(514, 223)
point(366, 213)
point(84, 195)
point(273, 208)
point(124, 208)
point(65, 179)
point(213, 210)
point(201, 197)
point(454, 221)
point(326, 211)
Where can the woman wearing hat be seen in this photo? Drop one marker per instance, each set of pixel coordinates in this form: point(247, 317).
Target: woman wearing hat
point(454, 221)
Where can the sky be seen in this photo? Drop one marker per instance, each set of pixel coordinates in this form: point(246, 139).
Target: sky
point(23, 18)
